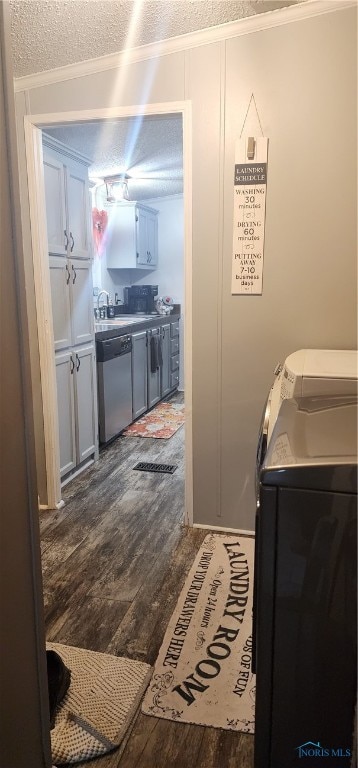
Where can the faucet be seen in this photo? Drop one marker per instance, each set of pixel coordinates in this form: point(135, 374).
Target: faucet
point(99, 296)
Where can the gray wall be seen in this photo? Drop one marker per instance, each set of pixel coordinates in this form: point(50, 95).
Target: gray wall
point(303, 76)
point(24, 718)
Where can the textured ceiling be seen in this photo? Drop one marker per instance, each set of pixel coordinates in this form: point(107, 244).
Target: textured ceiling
point(47, 34)
point(149, 149)
point(52, 33)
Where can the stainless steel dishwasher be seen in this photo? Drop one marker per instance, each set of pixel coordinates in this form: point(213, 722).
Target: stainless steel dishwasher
point(114, 374)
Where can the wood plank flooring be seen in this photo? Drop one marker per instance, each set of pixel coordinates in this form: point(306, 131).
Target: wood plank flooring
point(114, 561)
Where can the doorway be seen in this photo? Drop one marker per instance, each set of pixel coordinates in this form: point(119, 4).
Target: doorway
point(33, 132)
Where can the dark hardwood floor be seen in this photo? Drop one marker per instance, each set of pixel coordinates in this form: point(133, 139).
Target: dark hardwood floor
point(114, 561)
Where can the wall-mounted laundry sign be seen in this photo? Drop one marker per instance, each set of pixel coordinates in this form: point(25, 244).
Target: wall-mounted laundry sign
point(250, 176)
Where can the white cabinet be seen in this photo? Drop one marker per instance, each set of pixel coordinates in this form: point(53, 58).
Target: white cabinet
point(132, 237)
point(68, 228)
point(76, 384)
point(56, 217)
point(72, 303)
point(71, 293)
point(81, 293)
point(60, 277)
point(147, 238)
point(67, 202)
point(86, 412)
point(66, 411)
point(78, 213)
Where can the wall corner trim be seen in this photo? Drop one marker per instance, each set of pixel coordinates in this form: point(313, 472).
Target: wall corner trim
point(245, 26)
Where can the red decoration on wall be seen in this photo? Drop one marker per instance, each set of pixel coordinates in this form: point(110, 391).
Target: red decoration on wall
point(99, 224)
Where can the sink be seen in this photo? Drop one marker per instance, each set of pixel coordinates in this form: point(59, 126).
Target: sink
point(106, 325)
point(112, 321)
point(123, 320)
point(138, 318)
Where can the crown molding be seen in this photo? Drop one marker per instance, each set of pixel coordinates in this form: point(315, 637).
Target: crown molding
point(58, 146)
point(246, 26)
point(162, 199)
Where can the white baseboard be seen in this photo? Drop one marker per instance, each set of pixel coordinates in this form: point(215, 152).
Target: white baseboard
point(224, 530)
point(77, 472)
point(46, 508)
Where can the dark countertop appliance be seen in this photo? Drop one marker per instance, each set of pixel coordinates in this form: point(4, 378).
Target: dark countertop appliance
point(140, 299)
point(305, 587)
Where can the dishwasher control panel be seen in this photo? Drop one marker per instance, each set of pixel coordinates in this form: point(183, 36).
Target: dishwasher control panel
point(110, 348)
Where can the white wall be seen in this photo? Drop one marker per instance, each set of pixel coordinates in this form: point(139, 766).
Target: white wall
point(303, 76)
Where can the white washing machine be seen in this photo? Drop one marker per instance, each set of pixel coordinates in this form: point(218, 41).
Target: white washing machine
point(307, 373)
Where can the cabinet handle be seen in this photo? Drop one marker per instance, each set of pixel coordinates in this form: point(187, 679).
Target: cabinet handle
point(74, 274)
point(66, 241)
point(150, 256)
point(72, 365)
point(72, 242)
point(68, 278)
point(78, 363)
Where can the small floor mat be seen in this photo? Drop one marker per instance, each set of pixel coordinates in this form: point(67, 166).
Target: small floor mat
point(147, 466)
point(100, 706)
point(162, 422)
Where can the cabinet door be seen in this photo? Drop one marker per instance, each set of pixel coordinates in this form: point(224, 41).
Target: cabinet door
point(174, 329)
point(139, 373)
point(165, 369)
point(142, 246)
point(153, 374)
point(54, 178)
point(152, 239)
point(78, 210)
point(81, 301)
point(86, 428)
point(60, 295)
point(121, 236)
point(66, 410)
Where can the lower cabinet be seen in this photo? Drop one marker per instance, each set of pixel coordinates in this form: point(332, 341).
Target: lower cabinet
point(139, 373)
point(174, 355)
point(154, 392)
point(165, 369)
point(76, 390)
point(155, 366)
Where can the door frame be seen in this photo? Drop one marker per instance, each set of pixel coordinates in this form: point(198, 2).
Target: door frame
point(33, 125)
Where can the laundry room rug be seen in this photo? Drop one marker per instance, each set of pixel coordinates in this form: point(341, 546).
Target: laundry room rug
point(203, 671)
point(99, 709)
point(163, 421)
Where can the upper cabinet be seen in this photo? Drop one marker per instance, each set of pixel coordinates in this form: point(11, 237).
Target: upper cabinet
point(132, 237)
point(67, 201)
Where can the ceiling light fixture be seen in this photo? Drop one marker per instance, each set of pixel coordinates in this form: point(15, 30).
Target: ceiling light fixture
point(117, 187)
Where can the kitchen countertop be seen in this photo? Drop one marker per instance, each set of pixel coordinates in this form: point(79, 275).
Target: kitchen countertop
point(123, 324)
